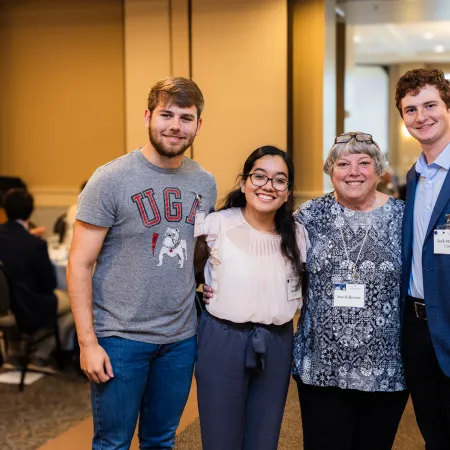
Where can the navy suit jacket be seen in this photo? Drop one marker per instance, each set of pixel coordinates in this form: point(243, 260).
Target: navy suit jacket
point(26, 258)
point(435, 268)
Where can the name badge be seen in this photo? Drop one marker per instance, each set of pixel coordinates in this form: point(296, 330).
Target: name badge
point(349, 295)
point(293, 293)
point(442, 242)
point(199, 225)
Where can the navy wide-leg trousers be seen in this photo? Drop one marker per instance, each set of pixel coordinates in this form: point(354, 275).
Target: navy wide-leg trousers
point(242, 373)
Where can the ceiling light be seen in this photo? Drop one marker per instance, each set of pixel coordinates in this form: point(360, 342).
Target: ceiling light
point(428, 36)
point(439, 49)
point(339, 11)
point(356, 39)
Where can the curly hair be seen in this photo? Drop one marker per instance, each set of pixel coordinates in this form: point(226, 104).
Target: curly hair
point(413, 81)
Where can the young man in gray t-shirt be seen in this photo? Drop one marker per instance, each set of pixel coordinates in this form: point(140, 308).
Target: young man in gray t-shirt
point(135, 317)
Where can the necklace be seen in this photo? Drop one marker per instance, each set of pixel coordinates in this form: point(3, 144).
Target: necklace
point(354, 272)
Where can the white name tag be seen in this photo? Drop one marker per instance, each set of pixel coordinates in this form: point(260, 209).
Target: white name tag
point(292, 292)
point(349, 295)
point(442, 242)
point(199, 225)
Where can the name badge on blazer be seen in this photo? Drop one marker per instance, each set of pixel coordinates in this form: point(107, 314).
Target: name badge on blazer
point(442, 242)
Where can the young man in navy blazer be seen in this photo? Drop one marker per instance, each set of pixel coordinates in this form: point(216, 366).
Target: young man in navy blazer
point(423, 99)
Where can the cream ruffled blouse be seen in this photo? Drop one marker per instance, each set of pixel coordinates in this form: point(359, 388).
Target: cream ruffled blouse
point(247, 271)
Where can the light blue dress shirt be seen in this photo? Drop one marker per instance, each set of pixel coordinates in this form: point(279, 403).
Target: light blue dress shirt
point(429, 186)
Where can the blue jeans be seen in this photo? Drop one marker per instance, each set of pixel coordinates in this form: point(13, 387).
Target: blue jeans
point(150, 380)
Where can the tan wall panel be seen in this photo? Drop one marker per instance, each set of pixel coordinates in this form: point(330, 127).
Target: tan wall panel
point(309, 44)
point(180, 38)
point(180, 42)
point(240, 63)
point(147, 59)
point(62, 102)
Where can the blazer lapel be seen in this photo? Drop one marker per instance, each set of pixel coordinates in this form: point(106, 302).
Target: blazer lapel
point(441, 202)
point(408, 221)
point(411, 184)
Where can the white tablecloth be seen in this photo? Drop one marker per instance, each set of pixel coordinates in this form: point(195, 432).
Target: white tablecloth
point(58, 255)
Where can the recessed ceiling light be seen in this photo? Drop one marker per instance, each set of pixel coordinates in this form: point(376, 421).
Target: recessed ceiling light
point(428, 36)
point(439, 49)
point(356, 39)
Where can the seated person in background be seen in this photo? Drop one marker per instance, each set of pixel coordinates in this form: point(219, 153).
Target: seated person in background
point(35, 230)
point(25, 256)
point(70, 220)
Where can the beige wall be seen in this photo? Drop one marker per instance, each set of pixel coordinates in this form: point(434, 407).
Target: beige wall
point(156, 46)
point(314, 93)
point(62, 92)
point(241, 70)
point(91, 65)
point(147, 59)
point(239, 59)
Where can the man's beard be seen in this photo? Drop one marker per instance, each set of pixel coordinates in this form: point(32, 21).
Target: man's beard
point(167, 151)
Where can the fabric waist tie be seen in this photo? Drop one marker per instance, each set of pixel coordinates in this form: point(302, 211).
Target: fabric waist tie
point(255, 355)
point(257, 340)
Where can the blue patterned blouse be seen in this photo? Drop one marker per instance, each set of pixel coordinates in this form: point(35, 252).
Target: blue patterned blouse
point(348, 347)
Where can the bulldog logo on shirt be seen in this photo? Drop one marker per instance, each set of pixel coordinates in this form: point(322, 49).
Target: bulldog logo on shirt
point(173, 245)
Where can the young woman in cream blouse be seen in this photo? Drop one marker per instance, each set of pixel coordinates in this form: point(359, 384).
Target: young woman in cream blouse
point(245, 337)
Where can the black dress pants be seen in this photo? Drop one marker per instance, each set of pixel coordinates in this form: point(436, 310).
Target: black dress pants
point(429, 387)
point(346, 419)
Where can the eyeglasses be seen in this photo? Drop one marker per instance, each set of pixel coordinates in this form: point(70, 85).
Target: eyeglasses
point(361, 137)
point(278, 183)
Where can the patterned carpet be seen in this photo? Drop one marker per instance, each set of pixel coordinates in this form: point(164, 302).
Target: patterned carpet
point(52, 405)
point(44, 410)
point(408, 436)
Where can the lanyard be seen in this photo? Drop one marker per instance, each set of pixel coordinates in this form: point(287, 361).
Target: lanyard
point(360, 250)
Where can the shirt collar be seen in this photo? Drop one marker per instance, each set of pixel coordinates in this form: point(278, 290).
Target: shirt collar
point(443, 160)
point(23, 223)
point(421, 164)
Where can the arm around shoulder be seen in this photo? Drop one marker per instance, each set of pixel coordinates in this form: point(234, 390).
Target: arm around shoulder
point(302, 238)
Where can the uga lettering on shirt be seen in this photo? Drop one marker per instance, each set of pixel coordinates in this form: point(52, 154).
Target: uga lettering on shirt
point(150, 212)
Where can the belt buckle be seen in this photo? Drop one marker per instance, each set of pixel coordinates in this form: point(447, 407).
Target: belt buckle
point(420, 311)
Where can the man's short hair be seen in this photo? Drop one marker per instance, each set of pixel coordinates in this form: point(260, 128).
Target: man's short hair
point(18, 204)
point(413, 81)
point(177, 90)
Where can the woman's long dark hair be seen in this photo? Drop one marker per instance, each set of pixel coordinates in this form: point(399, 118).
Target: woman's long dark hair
point(284, 220)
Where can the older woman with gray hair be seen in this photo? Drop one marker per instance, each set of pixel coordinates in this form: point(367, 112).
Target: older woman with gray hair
point(347, 360)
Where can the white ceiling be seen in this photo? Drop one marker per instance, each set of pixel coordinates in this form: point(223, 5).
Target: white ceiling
point(395, 31)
